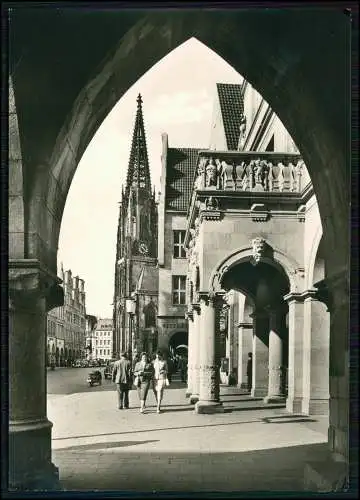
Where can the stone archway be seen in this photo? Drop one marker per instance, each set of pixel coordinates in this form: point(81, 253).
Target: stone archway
point(287, 70)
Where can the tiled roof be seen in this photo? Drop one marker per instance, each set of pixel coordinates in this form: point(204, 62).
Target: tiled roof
point(180, 172)
point(232, 107)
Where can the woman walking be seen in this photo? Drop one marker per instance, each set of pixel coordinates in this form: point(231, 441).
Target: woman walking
point(144, 372)
point(160, 378)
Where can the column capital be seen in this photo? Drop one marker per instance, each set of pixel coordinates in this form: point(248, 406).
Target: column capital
point(29, 281)
point(214, 299)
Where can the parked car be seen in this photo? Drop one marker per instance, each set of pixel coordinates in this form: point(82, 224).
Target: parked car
point(108, 370)
point(94, 377)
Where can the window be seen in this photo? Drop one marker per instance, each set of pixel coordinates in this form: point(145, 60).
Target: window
point(179, 250)
point(100, 352)
point(178, 289)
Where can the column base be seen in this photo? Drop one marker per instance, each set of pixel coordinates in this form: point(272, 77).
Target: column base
point(209, 407)
point(274, 399)
point(259, 392)
point(194, 398)
point(30, 466)
point(294, 405)
point(315, 406)
point(44, 479)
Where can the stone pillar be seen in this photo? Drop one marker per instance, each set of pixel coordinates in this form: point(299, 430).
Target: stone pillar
point(316, 356)
point(275, 358)
point(334, 292)
point(191, 342)
point(32, 292)
point(194, 398)
point(295, 362)
point(245, 345)
point(260, 350)
point(209, 396)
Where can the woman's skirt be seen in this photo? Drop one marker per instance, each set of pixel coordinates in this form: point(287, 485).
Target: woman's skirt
point(159, 384)
point(143, 389)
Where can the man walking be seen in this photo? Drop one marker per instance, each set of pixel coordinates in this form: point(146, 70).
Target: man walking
point(121, 375)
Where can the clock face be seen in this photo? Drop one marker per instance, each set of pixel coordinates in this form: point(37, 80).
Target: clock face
point(143, 249)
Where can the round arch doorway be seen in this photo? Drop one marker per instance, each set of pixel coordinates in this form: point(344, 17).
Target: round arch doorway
point(178, 342)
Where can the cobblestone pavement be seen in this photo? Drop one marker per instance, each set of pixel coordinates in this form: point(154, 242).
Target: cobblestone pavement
point(249, 447)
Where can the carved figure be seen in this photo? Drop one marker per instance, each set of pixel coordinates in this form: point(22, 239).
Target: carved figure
point(211, 174)
point(199, 182)
point(242, 126)
point(258, 249)
point(212, 203)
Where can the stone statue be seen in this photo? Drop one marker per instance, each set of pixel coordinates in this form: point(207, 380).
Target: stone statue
point(199, 182)
point(211, 174)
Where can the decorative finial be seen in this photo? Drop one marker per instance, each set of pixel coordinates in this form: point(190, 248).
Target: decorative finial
point(139, 100)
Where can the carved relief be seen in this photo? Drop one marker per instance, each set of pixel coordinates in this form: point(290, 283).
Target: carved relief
point(211, 176)
point(258, 249)
point(209, 382)
point(211, 203)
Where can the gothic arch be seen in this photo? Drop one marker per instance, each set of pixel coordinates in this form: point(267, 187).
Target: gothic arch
point(240, 38)
point(288, 265)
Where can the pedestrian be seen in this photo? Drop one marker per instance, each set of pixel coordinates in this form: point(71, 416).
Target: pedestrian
point(171, 366)
point(121, 375)
point(249, 371)
point(144, 371)
point(160, 379)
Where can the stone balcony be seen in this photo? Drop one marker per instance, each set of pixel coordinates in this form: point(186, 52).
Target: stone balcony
point(249, 171)
point(249, 183)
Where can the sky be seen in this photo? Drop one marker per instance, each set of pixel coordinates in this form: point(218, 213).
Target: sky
point(178, 97)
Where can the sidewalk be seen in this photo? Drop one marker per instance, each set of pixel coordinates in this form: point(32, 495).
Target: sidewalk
point(249, 447)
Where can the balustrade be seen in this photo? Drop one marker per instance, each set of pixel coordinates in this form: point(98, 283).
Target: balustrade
point(249, 171)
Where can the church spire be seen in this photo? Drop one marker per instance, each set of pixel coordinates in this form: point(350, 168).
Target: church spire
point(138, 171)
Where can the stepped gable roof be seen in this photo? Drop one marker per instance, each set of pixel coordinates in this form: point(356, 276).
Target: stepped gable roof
point(180, 172)
point(232, 108)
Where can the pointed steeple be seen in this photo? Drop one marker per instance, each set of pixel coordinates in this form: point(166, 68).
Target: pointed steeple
point(138, 171)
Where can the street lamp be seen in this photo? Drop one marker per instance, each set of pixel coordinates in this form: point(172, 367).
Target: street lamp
point(130, 305)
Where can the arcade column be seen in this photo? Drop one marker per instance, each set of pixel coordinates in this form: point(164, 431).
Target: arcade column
point(316, 356)
point(194, 398)
point(260, 350)
point(191, 341)
point(275, 387)
point(334, 292)
point(33, 291)
point(209, 395)
point(296, 346)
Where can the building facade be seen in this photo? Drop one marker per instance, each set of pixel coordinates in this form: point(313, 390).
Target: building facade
point(101, 339)
point(255, 263)
point(66, 324)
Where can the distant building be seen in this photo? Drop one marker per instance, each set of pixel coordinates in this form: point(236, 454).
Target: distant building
point(66, 324)
point(90, 327)
point(102, 340)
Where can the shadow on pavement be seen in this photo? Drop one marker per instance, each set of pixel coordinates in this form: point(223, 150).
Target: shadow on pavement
point(287, 419)
point(156, 429)
point(268, 470)
point(101, 446)
point(252, 408)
